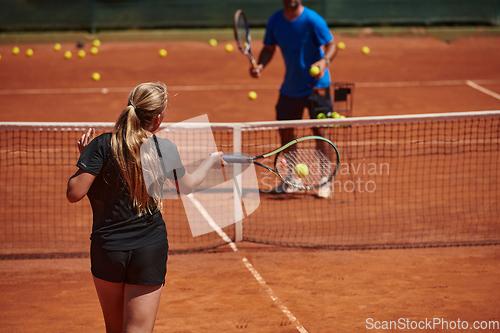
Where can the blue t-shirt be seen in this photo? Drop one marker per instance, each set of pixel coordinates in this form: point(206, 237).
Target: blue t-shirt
point(300, 42)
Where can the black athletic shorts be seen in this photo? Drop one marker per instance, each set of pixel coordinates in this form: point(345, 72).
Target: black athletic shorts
point(292, 108)
point(144, 266)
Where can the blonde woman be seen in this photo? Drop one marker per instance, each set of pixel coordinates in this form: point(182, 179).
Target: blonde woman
point(129, 238)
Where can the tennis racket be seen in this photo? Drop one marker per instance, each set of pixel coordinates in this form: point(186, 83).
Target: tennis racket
point(242, 35)
point(306, 163)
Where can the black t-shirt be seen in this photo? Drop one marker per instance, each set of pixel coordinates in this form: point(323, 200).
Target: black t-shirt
point(115, 225)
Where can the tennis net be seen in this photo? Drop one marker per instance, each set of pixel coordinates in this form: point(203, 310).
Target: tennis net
point(404, 181)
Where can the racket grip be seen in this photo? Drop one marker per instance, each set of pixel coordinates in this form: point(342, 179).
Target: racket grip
point(236, 159)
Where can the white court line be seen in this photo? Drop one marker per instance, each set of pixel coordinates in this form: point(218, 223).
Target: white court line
point(55, 91)
point(409, 84)
point(247, 263)
point(482, 89)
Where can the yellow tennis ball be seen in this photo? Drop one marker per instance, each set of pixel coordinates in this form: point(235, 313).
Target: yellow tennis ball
point(29, 52)
point(96, 43)
point(68, 54)
point(341, 45)
point(229, 48)
point(336, 115)
point(365, 50)
point(321, 116)
point(81, 54)
point(314, 71)
point(57, 47)
point(301, 170)
point(94, 50)
point(96, 76)
point(212, 42)
point(343, 117)
point(0, 57)
point(252, 95)
point(162, 53)
point(15, 50)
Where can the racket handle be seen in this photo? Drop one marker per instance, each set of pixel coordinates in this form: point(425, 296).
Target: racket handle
point(236, 159)
point(254, 63)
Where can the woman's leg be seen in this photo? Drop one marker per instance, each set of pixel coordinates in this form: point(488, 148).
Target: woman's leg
point(111, 296)
point(141, 306)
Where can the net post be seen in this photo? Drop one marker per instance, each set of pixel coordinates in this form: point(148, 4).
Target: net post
point(238, 212)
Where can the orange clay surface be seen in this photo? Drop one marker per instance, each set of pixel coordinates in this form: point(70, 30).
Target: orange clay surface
point(213, 291)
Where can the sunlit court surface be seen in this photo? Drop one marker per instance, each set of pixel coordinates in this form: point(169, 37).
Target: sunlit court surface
point(401, 242)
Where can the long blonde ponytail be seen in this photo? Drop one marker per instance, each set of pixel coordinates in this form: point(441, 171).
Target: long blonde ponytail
point(145, 103)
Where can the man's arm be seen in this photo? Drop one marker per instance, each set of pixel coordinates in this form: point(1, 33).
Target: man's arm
point(265, 57)
point(330, 53)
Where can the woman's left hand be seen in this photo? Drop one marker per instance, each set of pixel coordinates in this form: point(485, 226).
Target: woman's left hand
point(85, 139)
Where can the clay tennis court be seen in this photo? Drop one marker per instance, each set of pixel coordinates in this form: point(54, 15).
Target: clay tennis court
point(213, 290)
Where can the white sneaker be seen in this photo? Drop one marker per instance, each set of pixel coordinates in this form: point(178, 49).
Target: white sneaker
point(284, 188)
point(293, 189)
point(325, 191)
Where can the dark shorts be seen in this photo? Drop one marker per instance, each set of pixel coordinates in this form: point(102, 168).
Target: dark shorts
point(292, 108)
point(144, 266)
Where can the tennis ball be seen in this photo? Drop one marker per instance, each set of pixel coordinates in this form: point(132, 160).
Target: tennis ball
point(15, 50)
point(29, 52)
point(81, 54)
point(252, 95)
point(163, 53)
point(68, 54)
point(365, 50)
point(57, 47)
point(212, 42)
point(321, 116)
point(229, 48)
point(94, 50)
point(343, 117)
point(0, 57)
point(314, 71)
point(301, 170)
point(336, 115)
point(341, 45)
point(96, 43)
point(96, 76)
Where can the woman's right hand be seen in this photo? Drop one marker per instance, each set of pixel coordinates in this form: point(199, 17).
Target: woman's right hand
point(217, 161)
point(85, 139)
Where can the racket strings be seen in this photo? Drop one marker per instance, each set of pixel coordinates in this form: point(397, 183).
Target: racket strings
point(242, 33)
point(318, 167)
